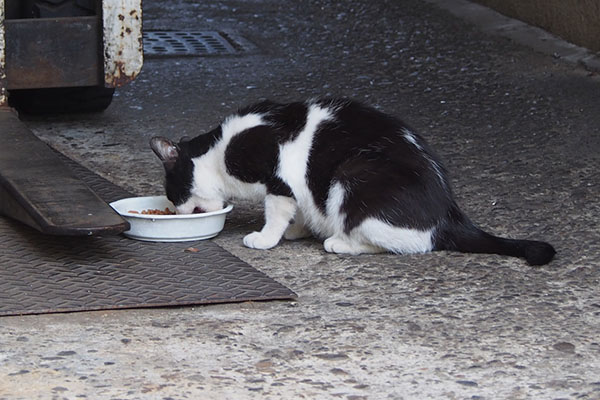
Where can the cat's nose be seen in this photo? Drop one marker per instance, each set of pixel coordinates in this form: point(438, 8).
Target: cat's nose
point(198, 210)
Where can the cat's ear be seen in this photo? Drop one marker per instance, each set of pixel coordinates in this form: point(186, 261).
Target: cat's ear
point(166, 150)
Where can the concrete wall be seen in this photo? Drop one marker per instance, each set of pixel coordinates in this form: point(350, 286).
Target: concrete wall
point(577, 21)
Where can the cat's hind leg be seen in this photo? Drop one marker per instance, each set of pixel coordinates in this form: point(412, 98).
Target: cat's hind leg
point(384, 205)
point(279, 211)
point(375, 236)
point(297, 229)
point(342, 244)
point(393, 238)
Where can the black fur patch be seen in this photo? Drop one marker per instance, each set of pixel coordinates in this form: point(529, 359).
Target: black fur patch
point(201, 143)
point(252, 155)
point(178, 180)
point(286, 119)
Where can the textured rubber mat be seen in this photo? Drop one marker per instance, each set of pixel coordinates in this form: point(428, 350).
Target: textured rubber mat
point(45, 274)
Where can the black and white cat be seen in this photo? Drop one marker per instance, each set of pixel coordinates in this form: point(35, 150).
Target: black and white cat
point(344, 172)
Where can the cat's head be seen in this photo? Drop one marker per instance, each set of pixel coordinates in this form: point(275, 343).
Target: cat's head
point(183, 187)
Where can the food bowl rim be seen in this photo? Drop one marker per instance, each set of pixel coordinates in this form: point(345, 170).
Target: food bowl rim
point(224, 210)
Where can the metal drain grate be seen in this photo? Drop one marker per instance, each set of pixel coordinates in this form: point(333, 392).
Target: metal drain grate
point(194, 43)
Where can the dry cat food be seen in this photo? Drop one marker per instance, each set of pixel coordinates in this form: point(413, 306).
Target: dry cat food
point(153, 211)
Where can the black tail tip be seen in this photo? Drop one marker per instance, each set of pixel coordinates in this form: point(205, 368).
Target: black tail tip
point(539, 253)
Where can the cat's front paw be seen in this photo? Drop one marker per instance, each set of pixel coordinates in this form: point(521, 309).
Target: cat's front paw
point(257, 240)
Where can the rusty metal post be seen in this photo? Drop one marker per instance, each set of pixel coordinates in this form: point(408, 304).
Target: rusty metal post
point(123, 42)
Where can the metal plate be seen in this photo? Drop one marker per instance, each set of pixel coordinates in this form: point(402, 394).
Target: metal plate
point(47, 274)
point(190, 43)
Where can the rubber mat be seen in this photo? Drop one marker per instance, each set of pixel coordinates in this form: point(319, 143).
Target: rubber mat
point(46, 274)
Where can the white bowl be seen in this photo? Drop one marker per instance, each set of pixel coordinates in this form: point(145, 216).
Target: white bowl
point(168, 228)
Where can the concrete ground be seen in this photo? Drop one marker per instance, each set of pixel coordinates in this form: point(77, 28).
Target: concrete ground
point(519, 131)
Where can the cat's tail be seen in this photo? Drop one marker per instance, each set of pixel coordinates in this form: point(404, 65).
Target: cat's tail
point(458, 233)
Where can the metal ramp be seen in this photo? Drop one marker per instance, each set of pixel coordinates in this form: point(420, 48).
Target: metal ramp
point(38, 189)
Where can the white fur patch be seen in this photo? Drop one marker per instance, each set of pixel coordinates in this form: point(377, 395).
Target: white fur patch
point(239, 123)
point(408, 135)
point(293, 165)
point(335, 219)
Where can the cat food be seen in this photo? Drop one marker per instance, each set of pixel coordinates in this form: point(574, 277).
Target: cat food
point(153, 211)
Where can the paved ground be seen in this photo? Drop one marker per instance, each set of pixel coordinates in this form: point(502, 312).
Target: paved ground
point(518, 130)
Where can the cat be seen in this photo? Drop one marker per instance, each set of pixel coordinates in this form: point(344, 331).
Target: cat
point(335, 169)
